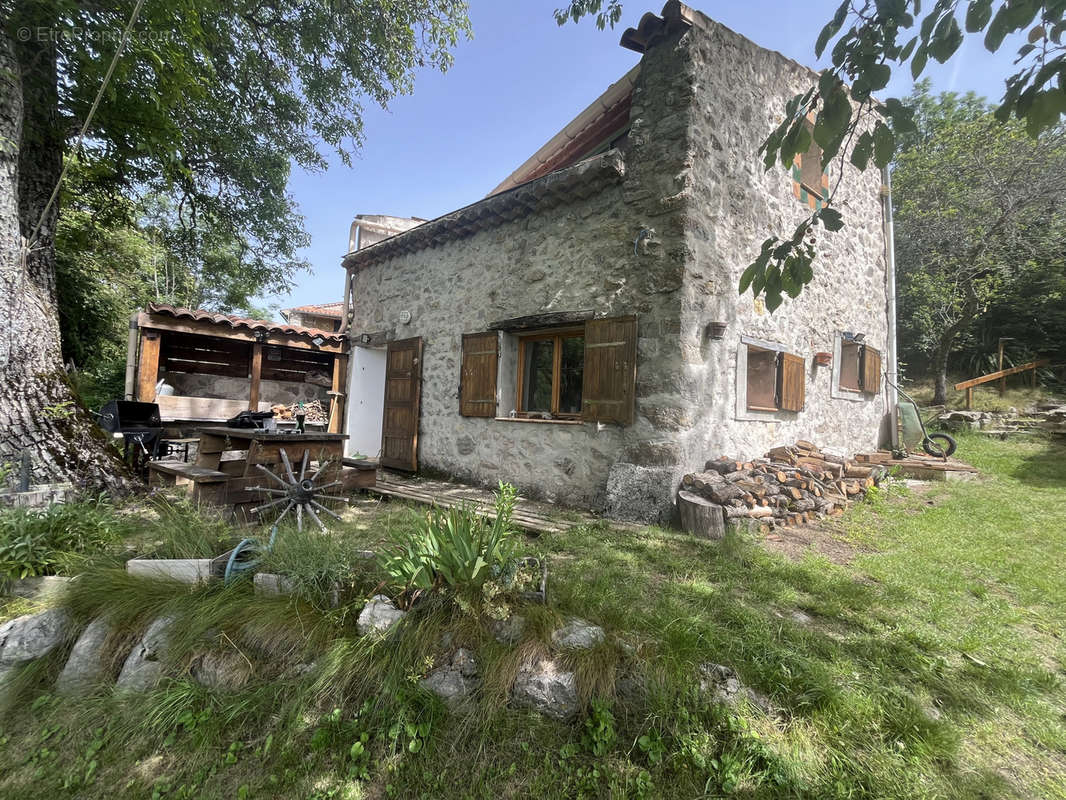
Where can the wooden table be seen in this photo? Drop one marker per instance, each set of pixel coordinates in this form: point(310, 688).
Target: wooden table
point(238, 452)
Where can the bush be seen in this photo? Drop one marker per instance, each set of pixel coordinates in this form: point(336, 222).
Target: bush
point(47, 541)
point(455, 549)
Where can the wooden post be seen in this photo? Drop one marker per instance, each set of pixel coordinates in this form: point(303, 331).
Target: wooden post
point(1003, 380)
point(969, 398)
point(337, 394)
point(257, 371)
point(148, 366)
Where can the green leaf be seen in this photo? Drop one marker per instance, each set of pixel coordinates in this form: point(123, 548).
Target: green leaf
point(997, 31)
point(978, 15)
point(908, 48)
point(878, 75)
point(947, 39)
point(918, 62)
point(832, 219)
point(864, 147)
point(831, 28)
point(884, 145)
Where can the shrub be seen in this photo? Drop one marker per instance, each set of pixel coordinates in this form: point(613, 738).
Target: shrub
point(47, 541)
point(455, 549)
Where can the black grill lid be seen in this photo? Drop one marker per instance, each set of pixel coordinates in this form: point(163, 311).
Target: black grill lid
point(119, 415)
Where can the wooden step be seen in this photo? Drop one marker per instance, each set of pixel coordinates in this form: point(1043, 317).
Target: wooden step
point(182, 469)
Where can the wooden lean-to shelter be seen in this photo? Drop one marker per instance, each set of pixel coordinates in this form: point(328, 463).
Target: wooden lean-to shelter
point(209, 367)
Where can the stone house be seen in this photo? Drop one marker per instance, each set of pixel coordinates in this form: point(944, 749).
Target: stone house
point(579, 333)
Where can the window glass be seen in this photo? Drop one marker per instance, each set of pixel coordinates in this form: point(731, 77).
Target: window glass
point(762, 379)
point(571, 373)
point(537, 375)
point(849, 366)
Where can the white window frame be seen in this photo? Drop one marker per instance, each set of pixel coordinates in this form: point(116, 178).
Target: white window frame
point(743, 413)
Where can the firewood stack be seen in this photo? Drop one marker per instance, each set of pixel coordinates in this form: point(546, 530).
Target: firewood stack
point(791, 485)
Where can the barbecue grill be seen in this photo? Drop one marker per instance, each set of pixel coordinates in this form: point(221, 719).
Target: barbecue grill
point(138, 424)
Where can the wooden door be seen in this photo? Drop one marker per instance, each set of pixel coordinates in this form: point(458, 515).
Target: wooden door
point(403, 388)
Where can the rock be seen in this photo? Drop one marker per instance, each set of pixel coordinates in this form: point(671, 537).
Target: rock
point(455, 681)
point(220, 671)
point(546, 688)
point(270, 585)
point(28, 638)
point(508, 631)
point(720, 681)
point(40, 588)
point(379, 615)
point(578, 634)
point(144, 666)
point(801, 617)
point(86, 667)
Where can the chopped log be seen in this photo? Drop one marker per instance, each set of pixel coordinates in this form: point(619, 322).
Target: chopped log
point(857, 471)
point(832, 459)
point(723, 493)
point(722, 465)
point(802, 444)
point(738, 475)
point(700, 516)
point(759, 512)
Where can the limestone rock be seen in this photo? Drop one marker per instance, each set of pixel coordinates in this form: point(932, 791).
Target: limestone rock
point(455, 681)
point(720, 681)
point(269, 584)
point(86, 667)
point(28, 638)
point(379, 615)
point(508, 631)
point(546, 688)
point(220, 671)
point(578, 634)
point(144, 668)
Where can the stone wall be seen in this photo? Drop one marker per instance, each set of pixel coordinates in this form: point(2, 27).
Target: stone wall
point(668, 243)
point(188, 384)
point(734, 204)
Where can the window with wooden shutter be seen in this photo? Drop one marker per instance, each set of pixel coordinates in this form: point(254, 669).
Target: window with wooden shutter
point(610, 377)
point(477, 380)
point(793, 387)
point(871, 370)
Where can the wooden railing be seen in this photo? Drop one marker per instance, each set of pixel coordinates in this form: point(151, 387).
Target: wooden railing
point(1003, 373)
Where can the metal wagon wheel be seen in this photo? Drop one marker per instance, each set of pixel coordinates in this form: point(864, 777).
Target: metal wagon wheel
point(296, 492)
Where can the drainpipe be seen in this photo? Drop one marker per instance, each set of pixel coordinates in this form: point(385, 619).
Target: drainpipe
point(131, 357)
point(891, 396)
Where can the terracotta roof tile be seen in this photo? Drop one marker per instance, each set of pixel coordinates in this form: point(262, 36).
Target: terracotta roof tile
point(241, 322)
point(322, 309)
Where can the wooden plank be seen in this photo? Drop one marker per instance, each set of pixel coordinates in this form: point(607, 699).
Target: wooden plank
point(338, 394)
point(527, 521)
point(403, 389)
point(182, 469)
point(1043, 362)
point(256, 376)
point(148, 366)
point(201, 409)
point(478, 372)
point(793, 382)
point(610, 370)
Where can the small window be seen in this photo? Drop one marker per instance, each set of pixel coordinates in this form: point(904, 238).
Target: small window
point(776, 381)
point(850, 366)
point(762, 379)
point(551, 368)
point(810, 183)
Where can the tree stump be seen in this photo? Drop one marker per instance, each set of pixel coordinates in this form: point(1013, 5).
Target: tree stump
point(700, 517)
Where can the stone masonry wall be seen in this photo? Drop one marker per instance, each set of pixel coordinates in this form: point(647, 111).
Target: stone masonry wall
point(702, 104)
point(735, 204)
point(577, 256)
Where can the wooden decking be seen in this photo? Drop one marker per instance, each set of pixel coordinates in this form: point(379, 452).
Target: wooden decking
point(920, 466)
point(531, 516)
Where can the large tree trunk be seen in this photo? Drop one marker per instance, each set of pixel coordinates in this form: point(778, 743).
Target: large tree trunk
point(39, 414)
point(947, 340)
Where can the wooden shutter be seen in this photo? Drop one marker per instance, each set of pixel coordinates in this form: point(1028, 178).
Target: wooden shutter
point(477, 376)
point(403, 388)
point(871, 370)
point(610, 372)
point(793, 378)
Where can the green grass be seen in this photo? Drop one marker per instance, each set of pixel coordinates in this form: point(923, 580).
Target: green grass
point(986, 397)
point(933, 668)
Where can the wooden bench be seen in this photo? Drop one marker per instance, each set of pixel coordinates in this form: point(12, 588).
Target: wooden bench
point(203, 485)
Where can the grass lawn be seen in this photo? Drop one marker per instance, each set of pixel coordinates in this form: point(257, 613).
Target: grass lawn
point(924, 658)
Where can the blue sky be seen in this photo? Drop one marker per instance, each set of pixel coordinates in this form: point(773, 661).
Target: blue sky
point(511, 88)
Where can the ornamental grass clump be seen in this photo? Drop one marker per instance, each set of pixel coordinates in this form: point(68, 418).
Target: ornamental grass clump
point(458, 551)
